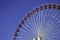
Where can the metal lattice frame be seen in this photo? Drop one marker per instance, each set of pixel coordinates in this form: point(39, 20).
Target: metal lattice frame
point(48, 6)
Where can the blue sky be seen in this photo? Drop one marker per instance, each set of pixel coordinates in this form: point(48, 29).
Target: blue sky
point(12, 11)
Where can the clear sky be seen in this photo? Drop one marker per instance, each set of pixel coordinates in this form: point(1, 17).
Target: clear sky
point(12, 11)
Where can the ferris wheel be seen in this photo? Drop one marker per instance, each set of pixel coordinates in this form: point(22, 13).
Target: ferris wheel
point(42, 23)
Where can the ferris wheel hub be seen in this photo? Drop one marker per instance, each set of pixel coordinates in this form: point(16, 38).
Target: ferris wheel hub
point(37, 38)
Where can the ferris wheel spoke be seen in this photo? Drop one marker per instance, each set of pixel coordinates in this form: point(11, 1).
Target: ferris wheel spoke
point(37, 20)
point(34, 20)
point(28, 27)
point(53, 13)
point(39, 23)
point(45, 16)
point(25, 34)
point(52, 22)
point(31, 21)
point(23, 38)
point(54, 25)
point(25, 31)
point(54, 28)
point(51, 17)
point(30, 24)
point(56, 16)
